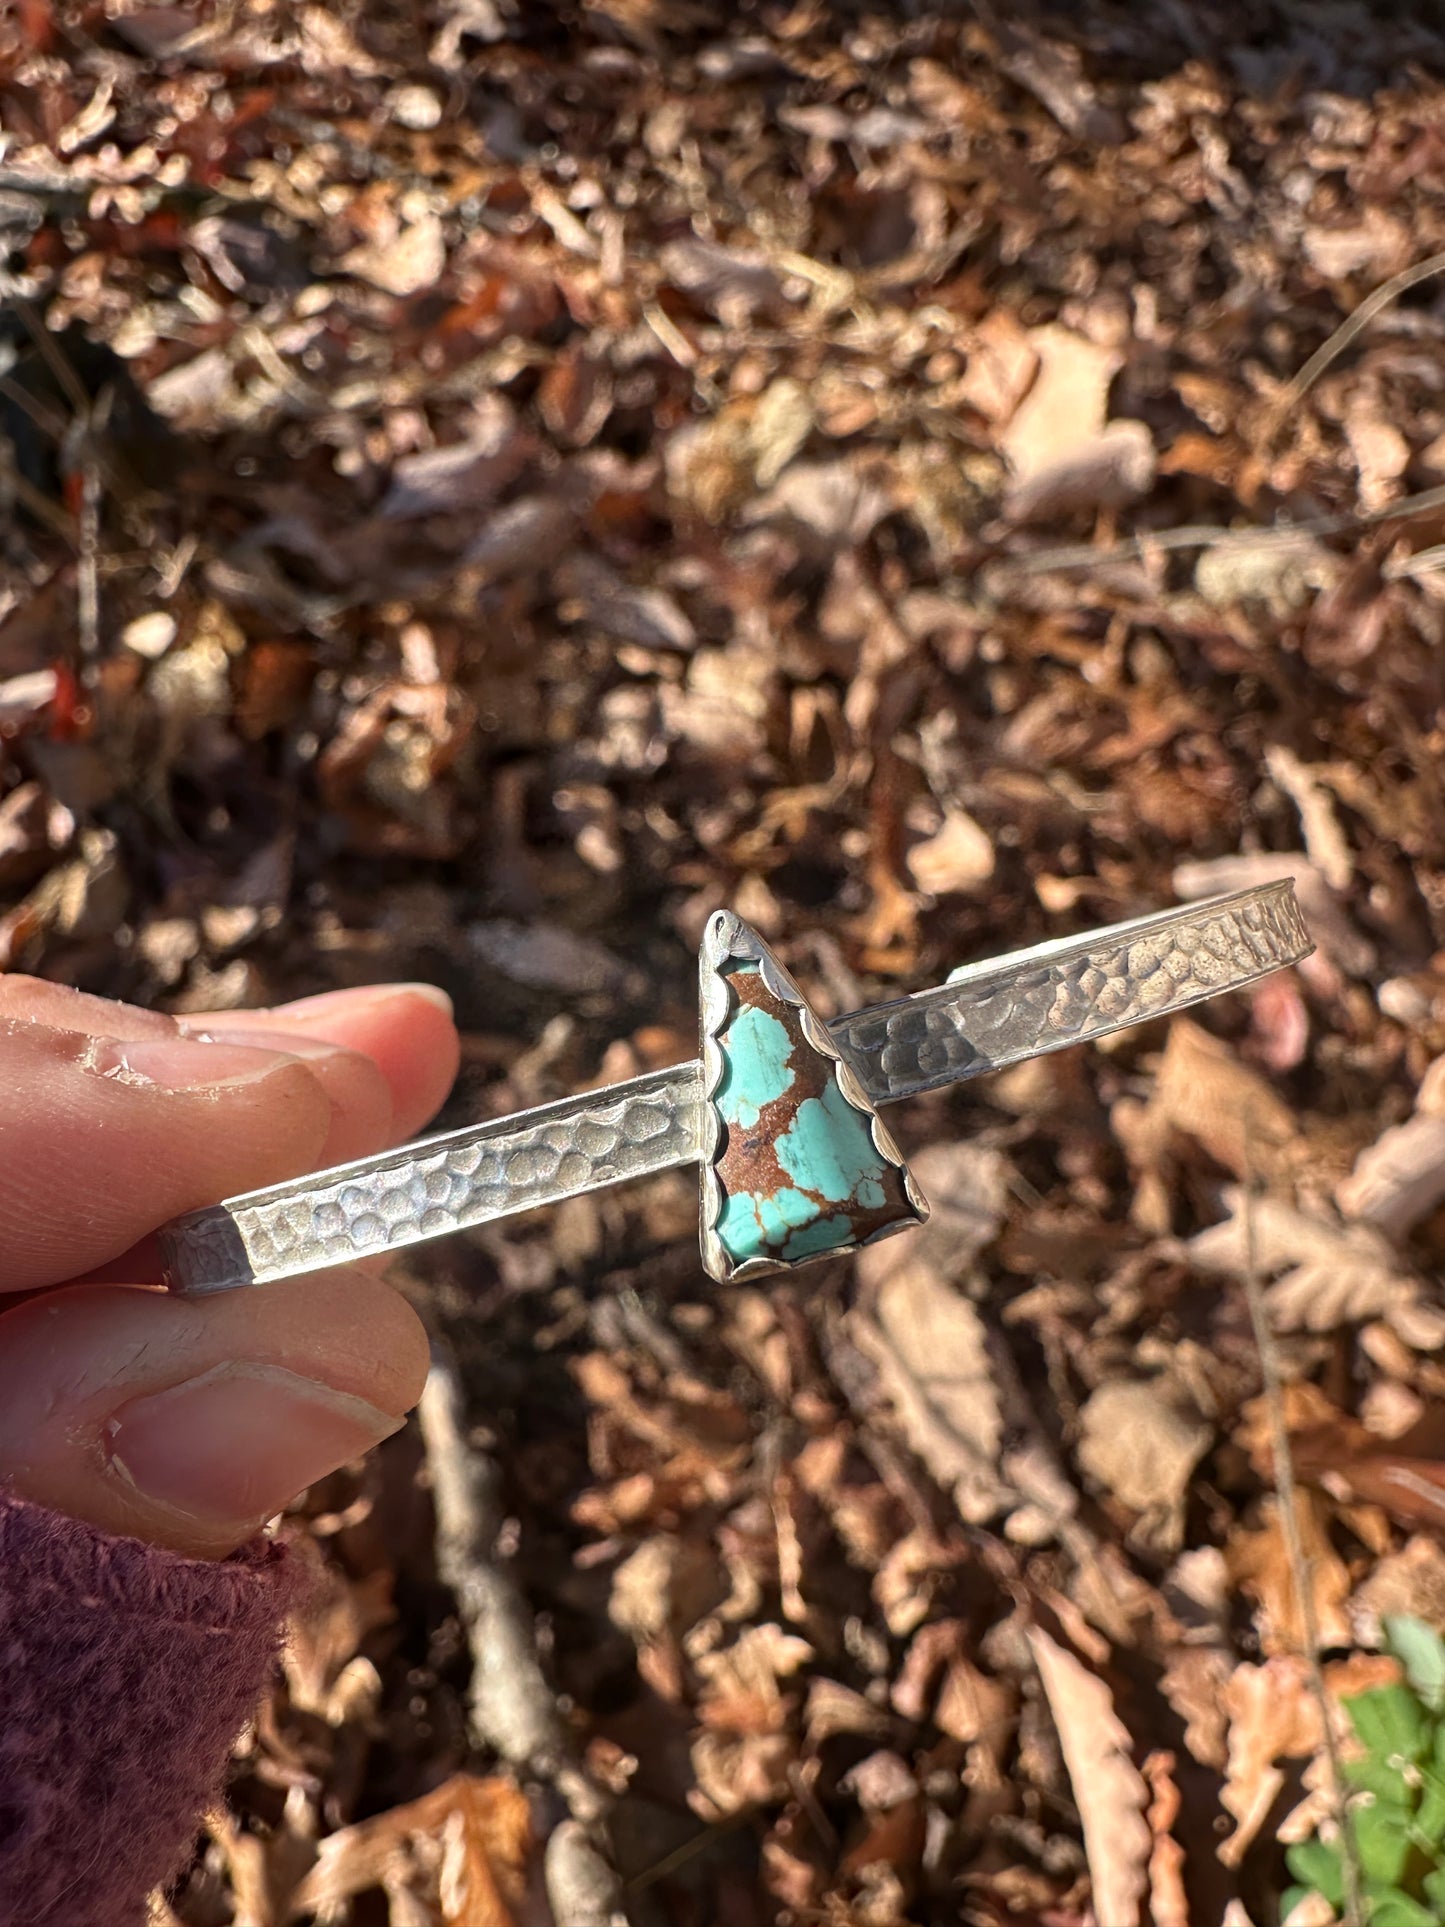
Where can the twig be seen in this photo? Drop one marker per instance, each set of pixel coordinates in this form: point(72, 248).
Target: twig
point(583, 1889)
point(510, 1707)
point(1205, 535)
point(689, 1849)
point(87, 573)
point(1347, 331)
point(1287, 1490)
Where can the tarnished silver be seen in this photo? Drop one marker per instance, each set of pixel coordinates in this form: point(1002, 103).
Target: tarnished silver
point(986, 1016)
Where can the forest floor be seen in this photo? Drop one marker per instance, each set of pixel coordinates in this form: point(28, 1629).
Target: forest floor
point(488, 483)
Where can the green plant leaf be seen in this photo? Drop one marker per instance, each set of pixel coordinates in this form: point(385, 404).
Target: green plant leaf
point(1421, 1651)
point(1319, 1868)
point(1382, 1834)
point(1375, 1775)
point(1430, 1812)
point(1391, 1722)
point(1433, 1888)
point(1395, 1909)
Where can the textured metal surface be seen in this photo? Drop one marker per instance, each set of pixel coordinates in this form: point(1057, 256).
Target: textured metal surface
point(986, 1015)
point(996, 1013)
point(439, 1184)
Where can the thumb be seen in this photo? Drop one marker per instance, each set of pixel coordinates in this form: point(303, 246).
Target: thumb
point(191, 1422)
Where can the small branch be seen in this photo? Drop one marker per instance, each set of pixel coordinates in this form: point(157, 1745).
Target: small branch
point(511, 1708)
point(1287, 1489)
point(1348, 330)
point(1204, 535)
point(582, 1889)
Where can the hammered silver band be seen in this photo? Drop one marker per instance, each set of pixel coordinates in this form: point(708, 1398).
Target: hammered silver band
point(984, 1017)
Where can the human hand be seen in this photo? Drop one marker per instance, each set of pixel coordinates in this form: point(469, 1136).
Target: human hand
point(186, 1422)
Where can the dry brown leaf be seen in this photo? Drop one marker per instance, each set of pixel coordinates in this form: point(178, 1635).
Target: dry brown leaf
point(1116, 467)
point(1067, 406)
point(1410, 1581)
point(411, 257)
point(1001, 364)
point(464, 475)
point(1108, 1788)
point(481, 1830)
point(958, 857)
point(1168, 1901)
point(1382, 453)
point(1324, 840)
point(1377, 244)
point(1204, 1092)
point(1325, 1274)
point(1259, 1565)
point(744, 1753)
point(325, 1640)
point(1142, 1442)
point(735, 283)
point(486, 1845)
point(975, 1706)
point(724, 703)
point(1193, 1682)
point(1063, 452)
point(665, 1586)
point(1273, 1715)
point(1399, 1179)
point(931, 1352)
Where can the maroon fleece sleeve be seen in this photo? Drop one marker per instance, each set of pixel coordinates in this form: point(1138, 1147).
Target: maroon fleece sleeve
point(125, 1674)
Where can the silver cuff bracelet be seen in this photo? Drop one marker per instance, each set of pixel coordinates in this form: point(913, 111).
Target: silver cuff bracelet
point(780, 1110)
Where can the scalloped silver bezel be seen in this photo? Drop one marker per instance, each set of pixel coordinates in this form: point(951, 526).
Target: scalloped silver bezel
point(726, 937)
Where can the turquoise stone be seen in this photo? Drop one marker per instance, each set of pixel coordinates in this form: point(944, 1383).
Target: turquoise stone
point(829, 1148)
point(786, 1225)
point(757, 1071)
point(798, 1167)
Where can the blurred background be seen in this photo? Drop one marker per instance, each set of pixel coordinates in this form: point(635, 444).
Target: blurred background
point(485, 483)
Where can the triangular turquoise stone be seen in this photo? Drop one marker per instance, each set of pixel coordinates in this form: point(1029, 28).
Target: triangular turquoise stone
point(798, 1163)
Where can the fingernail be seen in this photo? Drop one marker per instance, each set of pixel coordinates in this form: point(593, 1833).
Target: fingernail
point(362, 998)
point(236, 1445)
point(180, 1063)
point(280, 1043)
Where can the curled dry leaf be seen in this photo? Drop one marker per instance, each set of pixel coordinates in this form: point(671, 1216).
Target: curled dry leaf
point(1065, 409)
point(1408, 1583)
point(1193, 1682)
point(1116, 467)
point(463, 475)
point(1325, 841)
point(480, 1833)
point(1002, 362)
point(931, 1352)
point(403, 258)
point(1400, 1178)
point(1259, 1563)
point(1274, 1715)
point(958, 857)
point(1203, 1091)
point(744, 1752)
point(1325, 1274)
point(1168, 1900)
point(1141, 1441)
point(1109, 1790)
